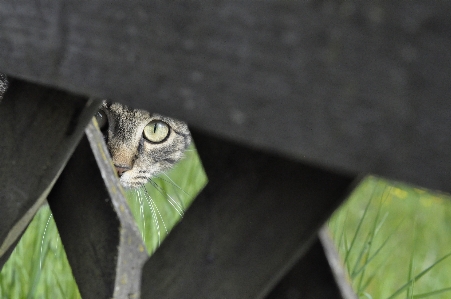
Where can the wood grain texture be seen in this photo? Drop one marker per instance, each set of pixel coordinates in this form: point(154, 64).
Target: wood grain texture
point(255, 218)
point(356, 85)
point(39, 129)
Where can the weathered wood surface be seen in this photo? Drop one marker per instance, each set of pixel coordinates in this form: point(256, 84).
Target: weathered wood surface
point(353, 85)
point(312, 278)
point(246, 229)
point(99, 234)
point(335, 264)
point(39, 129)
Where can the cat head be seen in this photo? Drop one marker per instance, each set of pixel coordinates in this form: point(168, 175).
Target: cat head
point(141, 144)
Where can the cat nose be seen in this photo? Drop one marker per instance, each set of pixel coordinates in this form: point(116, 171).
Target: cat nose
point(121, 169)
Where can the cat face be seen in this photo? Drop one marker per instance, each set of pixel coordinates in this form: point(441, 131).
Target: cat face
point(141, 144)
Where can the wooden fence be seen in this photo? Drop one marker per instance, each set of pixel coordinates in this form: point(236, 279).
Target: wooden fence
point(288, 103)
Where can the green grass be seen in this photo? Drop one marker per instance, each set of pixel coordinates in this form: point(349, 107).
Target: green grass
point(158, 208)
point(38, 267)
point(388, 233)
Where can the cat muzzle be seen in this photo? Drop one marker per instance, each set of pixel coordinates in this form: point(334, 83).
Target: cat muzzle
point(120, 170)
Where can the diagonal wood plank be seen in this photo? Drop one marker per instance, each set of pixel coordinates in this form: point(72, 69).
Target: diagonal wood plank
point(39, 129)
point(317, 275)
point(99, 234)
point(248, 227)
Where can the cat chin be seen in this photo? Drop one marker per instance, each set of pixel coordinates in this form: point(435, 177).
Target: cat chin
point(135, 184)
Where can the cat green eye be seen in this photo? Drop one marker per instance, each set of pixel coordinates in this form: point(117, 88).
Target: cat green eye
point(156, 131)
point(102, 119)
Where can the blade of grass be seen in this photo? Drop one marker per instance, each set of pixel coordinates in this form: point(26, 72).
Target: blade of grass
point(58, 283)
point(379, 248)
point(417, 277)
point(373, 275)
point(366, 249)
point(433, 293)
point(411, 266)
point(363, 252)
point(346, 245)
point(335, 228)
point(410, 276)
point(367, 295)
point(37, 271)
point(411, 262)
point(359, 226)
point(341, 236)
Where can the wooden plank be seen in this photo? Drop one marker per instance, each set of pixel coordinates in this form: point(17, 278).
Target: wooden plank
point(335, 262)
point(39, 129)
point(312, 278)
point(359, 86)
point(251, 223)
point(100, 237)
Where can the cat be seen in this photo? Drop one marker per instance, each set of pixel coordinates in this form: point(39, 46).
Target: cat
point(142, 145)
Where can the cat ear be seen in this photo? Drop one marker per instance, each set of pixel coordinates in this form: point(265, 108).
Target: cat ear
point(102, 120)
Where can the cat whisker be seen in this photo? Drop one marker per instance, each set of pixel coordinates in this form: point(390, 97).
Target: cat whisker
point(178, 200)
point(141, 213)
point(42, 240)
point(171, 200)
point(170, 181)
point(151, 203)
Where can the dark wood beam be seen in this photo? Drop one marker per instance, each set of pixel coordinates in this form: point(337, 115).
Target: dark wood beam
point(39, 129)
point(99, 234)
point(355, 85)
point(255, 218)
point(319, 274)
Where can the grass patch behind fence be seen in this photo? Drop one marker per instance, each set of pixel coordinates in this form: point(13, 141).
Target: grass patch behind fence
point(388, 233)
point(158, 208)
point(38, 267)
point(416, 223)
